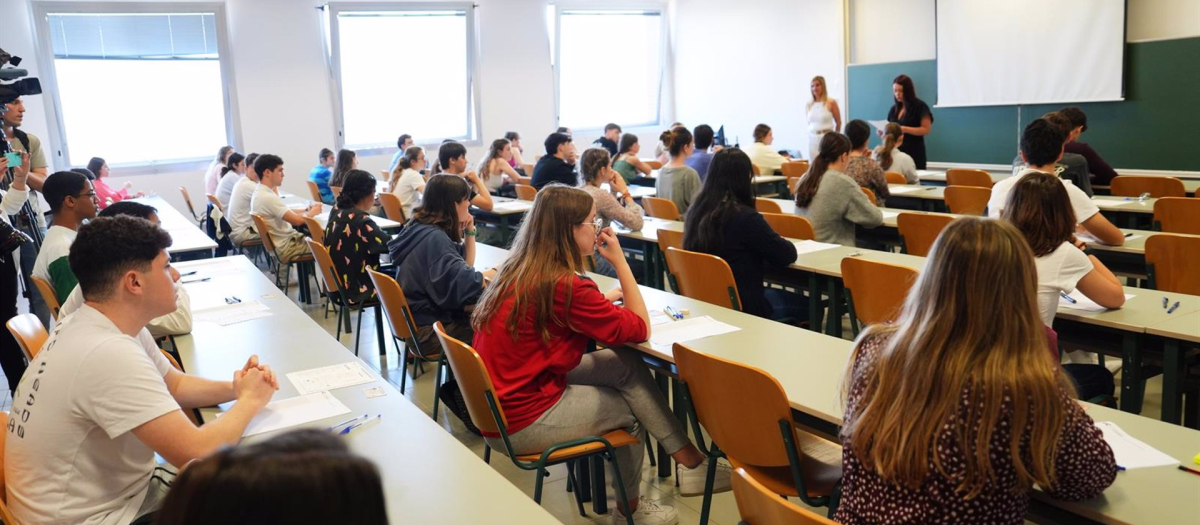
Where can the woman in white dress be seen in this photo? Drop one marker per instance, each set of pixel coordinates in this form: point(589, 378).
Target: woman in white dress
point(823, 115)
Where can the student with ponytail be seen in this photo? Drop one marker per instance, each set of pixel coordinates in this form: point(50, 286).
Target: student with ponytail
point(890, 158)
point(831, 200)
point(234, 170)
point(407, 181)
point(676, 181)
point(627, 162)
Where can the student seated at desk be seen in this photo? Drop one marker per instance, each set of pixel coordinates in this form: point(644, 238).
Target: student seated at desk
point(230, 175)
point(104, 399)
point(832, 201)
point(676, 181)
point(280, 220)
point(932, 400)
point(497, 174)
point(72, 201)
point(518, 153)
point(725, 223)
point(320, 175)
point(1101, 171)
point(890, 158)
point(353, 238)
point(614, 203)
point(702, 140)
point(346, 160)
point(558, 165)
point(402, 144)
point(532, 327)
point(608, 141)
point(452, 157)
point(407, 181)
point(626, 162)
point(768, 160)
point(1041, 148)
point(237, 213)
point(106, 194)
point(303, 477)
point(861, 167)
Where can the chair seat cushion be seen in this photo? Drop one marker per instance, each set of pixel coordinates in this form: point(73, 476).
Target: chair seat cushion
point(820, 466)
point(616, 438)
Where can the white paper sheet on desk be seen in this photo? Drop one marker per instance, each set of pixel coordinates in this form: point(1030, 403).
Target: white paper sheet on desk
point(803, 247)
point(689, 330)
point(902, 189)
point(229, 314)
point(214, 269)
point(1083, 303)
point(658, 317)
point(1089, 239)
point(328, 378)
point(512, 205)
point(297, 205)
point(287, 413)
point(1130, 452)
point(1110, 203)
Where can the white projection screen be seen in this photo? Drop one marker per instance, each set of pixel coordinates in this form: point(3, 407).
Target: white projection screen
point(1006, 52)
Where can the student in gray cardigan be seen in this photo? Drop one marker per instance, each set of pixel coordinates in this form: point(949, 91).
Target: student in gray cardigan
point(676, 181)
point(830, 199)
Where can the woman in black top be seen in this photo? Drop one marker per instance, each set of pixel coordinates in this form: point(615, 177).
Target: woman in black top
point(913, 116)
point(724, 222)
point(353, 239)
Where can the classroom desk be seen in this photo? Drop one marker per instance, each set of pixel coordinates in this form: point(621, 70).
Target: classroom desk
point(506, 214)
point(776, 184)
point(1178, 332)
point(938, 178)
point(923, 198)
point(384, 223)
point(418, 460)
point(187, 240)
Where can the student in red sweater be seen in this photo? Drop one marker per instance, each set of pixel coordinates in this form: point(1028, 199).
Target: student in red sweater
point(532, 327)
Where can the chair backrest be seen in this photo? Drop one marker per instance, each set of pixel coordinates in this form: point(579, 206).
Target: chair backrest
point(390, 202)
point(757, 505)
point(48, 295)
point(187, 199)
point(5, 514)
point(877, 289)
point(29, 332)
point(790, 226)
point(260, 225)
point(335, 190)
point(1157, 187)
point(870, 195)
point(528, 168)
point(965, 177)
point(793, 183)
point(1172, 260)
point(919, 230)
point(767, 206)
point(395, 305)
point(315, 191)
point(755, 170)
point(669, 239)
point(327, 274)
point(660, 208)
point(315, 230)
point(654, 164)
point(191, 414)
point(473, 381)
point(528, 181)
point(526, 193)
point(795, 168)
point(967, 200)
point(720, 390)
point(704, 277)
point(212, 199)
point(895, 178)
point(1178, 215)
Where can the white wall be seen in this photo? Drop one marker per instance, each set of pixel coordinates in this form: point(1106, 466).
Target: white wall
point(751, 62)
point(1162, 19)
point(892, 31)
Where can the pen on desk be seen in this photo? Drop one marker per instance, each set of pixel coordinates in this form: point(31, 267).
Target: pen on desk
point(351, 428)
point(667, 310)
point(1067, 297)
point(1120, 468)
point(193, 272)
point(1165, 303)
point(196, 280)
point(1129, 235)
point(1173, 307)
point(1189, 469)
point(347, 422)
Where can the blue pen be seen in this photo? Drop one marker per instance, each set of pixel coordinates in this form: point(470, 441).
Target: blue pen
point(351, 428)
point(347, 422)
point(1164, 303)
point(1120, 468)
point(1067, 297)
point(1173, 307)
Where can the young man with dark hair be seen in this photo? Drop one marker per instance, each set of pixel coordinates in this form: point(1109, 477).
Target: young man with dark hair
point(1041, 149)
point(321, 172)
point(702, 138)
point(37, 170)
point(280, 220)
point(452, 157)
point(1102, 172)
point(403, 143)
point(72, 201)
point(100, 399)
point(564, 130)
point(237, 214)
point(558, 165)
point(612, 134)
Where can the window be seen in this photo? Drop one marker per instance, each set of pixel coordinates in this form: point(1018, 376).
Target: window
point(609, 66)
point(138, 84)
point(403, 70)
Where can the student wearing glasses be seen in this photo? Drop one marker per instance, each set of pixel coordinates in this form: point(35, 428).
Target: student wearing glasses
point(72, 201)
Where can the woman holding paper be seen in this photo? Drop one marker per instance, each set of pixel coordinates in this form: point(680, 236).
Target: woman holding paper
point(824, 115)
point(913, 116)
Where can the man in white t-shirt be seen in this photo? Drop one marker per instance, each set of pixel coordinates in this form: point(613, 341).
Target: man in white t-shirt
point(1041, 147)
point(281, 220)
point(237, 212)
point(100, 400)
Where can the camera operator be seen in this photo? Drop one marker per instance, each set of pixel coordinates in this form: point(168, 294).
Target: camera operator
point(36, 169)
point(11, 357)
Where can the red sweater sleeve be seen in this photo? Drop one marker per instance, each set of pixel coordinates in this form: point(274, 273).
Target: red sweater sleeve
point(593, 316)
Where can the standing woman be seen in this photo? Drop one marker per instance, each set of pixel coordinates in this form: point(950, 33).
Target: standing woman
point(213, 175)
point(627, 162)
point(913, 116)
point(497, 174)
point(105, 193)
point(823, 115)
point(346, 160)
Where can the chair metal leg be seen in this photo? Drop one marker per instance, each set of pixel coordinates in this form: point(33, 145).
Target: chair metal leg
point(710, 479)
point(379, 329)
point(487, 453)
point(338, 332)
point(437, 385)
point(571, 485)
point(403, 366)
point(623, 499)
point(537, 487)
point(358, 330)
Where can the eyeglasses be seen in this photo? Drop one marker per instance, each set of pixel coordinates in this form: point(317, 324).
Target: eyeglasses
point(88, 195)
point(598, 223)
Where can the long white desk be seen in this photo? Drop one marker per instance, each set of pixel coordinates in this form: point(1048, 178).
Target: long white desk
point(186, 237)
point(428, 476)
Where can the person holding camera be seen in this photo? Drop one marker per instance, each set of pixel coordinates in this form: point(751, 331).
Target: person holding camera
point(32, 216)
point(11, 357)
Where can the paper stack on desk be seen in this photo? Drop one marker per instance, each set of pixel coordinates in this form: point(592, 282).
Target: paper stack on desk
point(328, 378)
point(1131, 453)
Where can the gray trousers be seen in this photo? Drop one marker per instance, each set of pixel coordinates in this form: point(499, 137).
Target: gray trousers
point(610, 389)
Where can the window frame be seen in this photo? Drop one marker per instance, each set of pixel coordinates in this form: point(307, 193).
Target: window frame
point(48, 75)
point(333, 61)
point(616, 6)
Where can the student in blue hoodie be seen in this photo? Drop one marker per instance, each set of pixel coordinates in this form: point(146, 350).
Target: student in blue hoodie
point(435, 253)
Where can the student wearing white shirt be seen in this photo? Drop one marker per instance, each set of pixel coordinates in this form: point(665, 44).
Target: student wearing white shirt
point(237, 212)
point(233, 171)
point(407, 181)
point(102, 399)
point(768, 160)
point(890, 158)
point(1041, 148)
point(824, 115)
point(213, 175)
point(280, 220)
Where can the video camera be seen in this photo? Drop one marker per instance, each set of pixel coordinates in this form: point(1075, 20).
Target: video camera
point(13, 83)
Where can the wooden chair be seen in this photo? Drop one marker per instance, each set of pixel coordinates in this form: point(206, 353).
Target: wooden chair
point(528, 181)
point(919, 230)
point(654, 164)
point(895, 178)
point(191, 413)
point(965, 177)
point(795, 168)
point(870, 195)
point(526, 193)
point(212, 199)
point(487, 414)
point(790, 226)
point(703, 277)
point(390, 202)
point(760, 437)
point(315, 231)
point(669, 239)
point(187, 199)
point(315, 192)
point(660, 208)
point(27, 329)
point(327, 275)
point(404, 330)
point(875, 291)
point(759, 506)
point(5, 514)
point(336, 190)
point(48, 295)
point(767, 206)
point(1171, 263)
point(1157, 187)
point(967, 200)
point(528, 168)
point(793, 183)
point(1177, 215)
point(283, 269)
point(754, 169)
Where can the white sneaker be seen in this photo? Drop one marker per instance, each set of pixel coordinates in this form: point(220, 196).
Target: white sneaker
point(648, 513)
point(691, 480)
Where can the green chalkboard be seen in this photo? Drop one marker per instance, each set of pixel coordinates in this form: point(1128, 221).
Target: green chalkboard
point(1153, 128)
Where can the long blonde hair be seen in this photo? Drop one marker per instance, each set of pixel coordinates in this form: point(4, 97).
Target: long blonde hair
point(891, 136)
point(968, 343)
point(543, 257)
point(824, 91)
